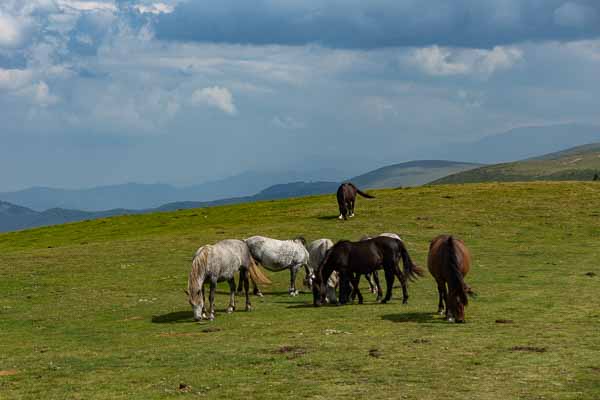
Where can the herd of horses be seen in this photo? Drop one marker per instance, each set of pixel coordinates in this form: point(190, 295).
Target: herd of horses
point(332, 271)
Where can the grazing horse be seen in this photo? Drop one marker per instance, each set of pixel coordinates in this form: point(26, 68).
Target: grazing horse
point(216, 263)
point(374, 287)
point(346, 196)
point(317, 251)
point(277, 255)
point(352, 259)
point(449, 262)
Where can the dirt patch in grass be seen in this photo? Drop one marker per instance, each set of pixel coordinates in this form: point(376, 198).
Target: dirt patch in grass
point(183, 334)
point(375, 353)
point(184, 388)
point(291, 351)
point(8, 372)
point(531, 349)
point(590, 274)
point(211, 329)
point(421, 341)
point(505, 321)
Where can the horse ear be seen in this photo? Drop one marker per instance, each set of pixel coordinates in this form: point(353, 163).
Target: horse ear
point(186, 292)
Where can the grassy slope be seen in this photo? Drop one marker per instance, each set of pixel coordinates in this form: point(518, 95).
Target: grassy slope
point(96, 309)
point(577, 164)
point(412, 173)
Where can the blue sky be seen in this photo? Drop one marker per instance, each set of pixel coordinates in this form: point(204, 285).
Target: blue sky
point(104, 91)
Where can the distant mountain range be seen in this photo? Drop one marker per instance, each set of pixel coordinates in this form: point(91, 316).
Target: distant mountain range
point(13, 217)
point(521, 143)
point(579, 163)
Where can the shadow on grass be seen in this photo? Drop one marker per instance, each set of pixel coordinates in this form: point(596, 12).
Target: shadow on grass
point(327, 217)
point(174, 317)
point(420, 317)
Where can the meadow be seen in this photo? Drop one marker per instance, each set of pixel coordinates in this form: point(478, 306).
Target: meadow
point(96, 309)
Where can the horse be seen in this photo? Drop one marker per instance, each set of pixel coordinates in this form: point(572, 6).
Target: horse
point(352, 259)
point(346, 196)
point(216, 263)
point(277, 255)
point(317, 251)
point(373, 287)
point(449, 261)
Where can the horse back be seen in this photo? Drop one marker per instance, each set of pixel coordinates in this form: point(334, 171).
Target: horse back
point(437, 257)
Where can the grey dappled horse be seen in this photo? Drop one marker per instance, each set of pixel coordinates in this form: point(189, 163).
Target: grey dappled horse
point(216, 263)
point(277, 255)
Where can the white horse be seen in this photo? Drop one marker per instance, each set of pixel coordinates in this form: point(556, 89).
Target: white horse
point(277, 255)
point(317, 251)
point(216, 263)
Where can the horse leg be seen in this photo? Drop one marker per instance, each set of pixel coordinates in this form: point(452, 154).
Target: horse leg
point(352, 208)
point(344, 287)
point(239, 287)
point(292, 291)
point(231, 307)
point(211, 299)
point(377, 286)
point(355, 290)
point(442, 297)
point(204, 316)
point(402, 280)
point(246, 289)
point(389, 281)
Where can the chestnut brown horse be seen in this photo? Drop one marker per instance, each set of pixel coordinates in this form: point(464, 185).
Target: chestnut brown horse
point(346, 196)
point(449, 262)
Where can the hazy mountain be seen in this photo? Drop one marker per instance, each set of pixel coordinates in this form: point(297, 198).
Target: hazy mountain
point(411, 173)
point(580, 163)
point(521, 143)
point(143, 196)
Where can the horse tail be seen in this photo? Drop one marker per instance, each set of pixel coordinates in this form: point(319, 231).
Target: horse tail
point(456, 277)
point(363, 194)
point(411, 270)
point(256, 274)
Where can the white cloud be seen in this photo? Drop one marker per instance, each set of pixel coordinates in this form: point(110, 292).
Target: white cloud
point(42, 95)
point(12, 30)
point(13, 79)
point(215, 96)
point(440, 61)
point(287, 122)
point(156, 8)
point(80, 5)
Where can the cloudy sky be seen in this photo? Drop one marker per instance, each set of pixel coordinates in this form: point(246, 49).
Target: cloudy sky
point(184, 91)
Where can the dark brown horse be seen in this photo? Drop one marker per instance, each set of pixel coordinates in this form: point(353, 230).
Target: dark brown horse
point(353, 259)
point(449, 262)
point(346, 196)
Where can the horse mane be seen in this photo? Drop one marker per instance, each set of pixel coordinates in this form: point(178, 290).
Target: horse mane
point(456, 281)
point(199, 265)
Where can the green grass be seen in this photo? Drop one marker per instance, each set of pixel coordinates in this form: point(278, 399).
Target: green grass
point(96, 309)
point(576, 164)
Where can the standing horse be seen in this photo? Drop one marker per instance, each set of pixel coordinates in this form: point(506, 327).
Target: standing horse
point(375, 278)
point(216, 263)
point(277, 255)
point(352, 259)
point(317, 251)
point(346, 196)
point(449, 261)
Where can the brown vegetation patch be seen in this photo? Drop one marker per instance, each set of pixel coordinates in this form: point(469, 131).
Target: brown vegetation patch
point(590, 274)
point(532, 349)
point(419, 341)
point(8, 372)
point(184, 388)
point(291, 351)
point(375, 353)
point(504, 321)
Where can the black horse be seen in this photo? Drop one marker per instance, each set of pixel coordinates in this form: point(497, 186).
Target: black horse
point(346, 196)
point(353, 259)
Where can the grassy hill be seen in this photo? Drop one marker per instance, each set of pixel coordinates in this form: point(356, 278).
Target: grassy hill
point(411, 173)
point(96, 310)
point(575, 164)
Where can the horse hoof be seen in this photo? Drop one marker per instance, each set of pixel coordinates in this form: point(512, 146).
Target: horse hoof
point(450, 319)
point(340, 217)
point(230, 310)
point(441, 312)
point(460, 321)
point(248, 308)
point(259, 294)
point(404, 301)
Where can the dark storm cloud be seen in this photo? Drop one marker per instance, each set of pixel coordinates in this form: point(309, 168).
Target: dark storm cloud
point(381, 23)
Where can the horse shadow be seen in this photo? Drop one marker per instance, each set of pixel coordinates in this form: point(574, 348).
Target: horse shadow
point(327, 217)
point(419, 317)
point(176, 317)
